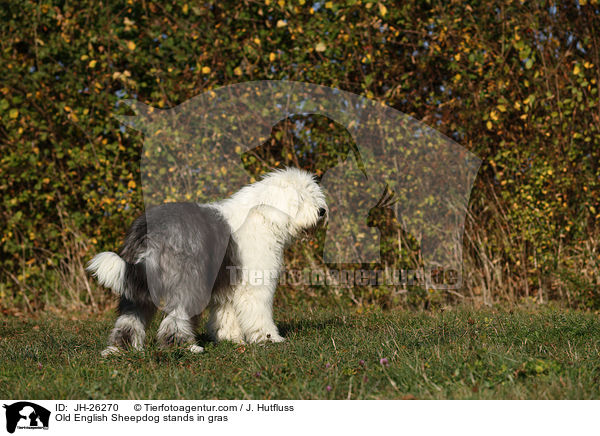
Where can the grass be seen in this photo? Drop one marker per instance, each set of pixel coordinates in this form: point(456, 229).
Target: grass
point(329, 354)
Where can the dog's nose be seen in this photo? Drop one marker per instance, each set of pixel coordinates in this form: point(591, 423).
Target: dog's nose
point(322, 212)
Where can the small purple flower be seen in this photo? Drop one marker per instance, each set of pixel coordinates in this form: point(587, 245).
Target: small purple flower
point(384, 361)
point(361, 363)
point(327, 366)
point(328, 388)
point(257, 374)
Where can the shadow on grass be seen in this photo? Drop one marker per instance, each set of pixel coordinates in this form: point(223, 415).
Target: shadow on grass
point(305, 326)
point(286, 328)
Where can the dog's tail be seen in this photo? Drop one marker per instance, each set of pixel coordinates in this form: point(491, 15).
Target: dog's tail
point(114, 273)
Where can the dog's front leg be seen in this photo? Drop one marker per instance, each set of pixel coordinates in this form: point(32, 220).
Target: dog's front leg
point(223, 324)
point(254, 310)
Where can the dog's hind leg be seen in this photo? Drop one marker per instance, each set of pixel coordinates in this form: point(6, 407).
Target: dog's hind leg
point(178, 328)
point(130, 327)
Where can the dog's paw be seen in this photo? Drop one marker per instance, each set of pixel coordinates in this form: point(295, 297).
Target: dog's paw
point(275, 338)
point(110, 350)
point(196, 348)
point(265, 337)
point(234, 336)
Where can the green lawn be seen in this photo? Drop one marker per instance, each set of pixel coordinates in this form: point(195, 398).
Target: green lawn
point(459, 353)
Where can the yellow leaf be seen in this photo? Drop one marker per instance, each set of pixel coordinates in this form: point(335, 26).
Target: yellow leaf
point(256, 41)
point(576, 70)
point(92, 64)
point(131, 45)
point(272, 57)
point(237, 71)
point(489, 125)
point(382, 10)
point(321, 47)
point(281, 3)
point(185, 8)
point(329, 5)
point(281, 23)
point(131, 184)
point(205, 70)
point(494, 115)
point(501, 108)
point(13, 113)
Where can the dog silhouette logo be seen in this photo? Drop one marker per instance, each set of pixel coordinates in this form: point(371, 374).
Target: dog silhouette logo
point(193, 151)
point(26, 415)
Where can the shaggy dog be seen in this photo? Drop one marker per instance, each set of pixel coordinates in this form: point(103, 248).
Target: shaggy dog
point(184, 257)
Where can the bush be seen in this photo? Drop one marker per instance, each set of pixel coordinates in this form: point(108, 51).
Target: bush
point(515, 83)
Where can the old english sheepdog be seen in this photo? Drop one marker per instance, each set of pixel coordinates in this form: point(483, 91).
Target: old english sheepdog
point(184, 257)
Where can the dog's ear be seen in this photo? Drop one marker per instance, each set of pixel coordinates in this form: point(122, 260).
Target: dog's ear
point(264, 218)
point(285, 199)
point(272, 215)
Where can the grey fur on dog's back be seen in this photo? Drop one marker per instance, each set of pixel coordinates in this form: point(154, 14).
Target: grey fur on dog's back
point(177, 253)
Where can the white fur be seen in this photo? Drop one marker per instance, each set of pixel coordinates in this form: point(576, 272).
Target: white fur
point(264, 216)
point(109, 269)
point(111, 349)
point(196, 349)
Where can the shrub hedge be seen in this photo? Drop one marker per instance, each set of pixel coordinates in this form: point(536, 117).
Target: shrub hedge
point(514, 82)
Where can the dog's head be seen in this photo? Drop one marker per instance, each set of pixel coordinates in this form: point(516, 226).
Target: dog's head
point(298, 202)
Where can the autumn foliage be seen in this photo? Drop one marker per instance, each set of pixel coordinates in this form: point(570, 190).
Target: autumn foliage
point(514, 82)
